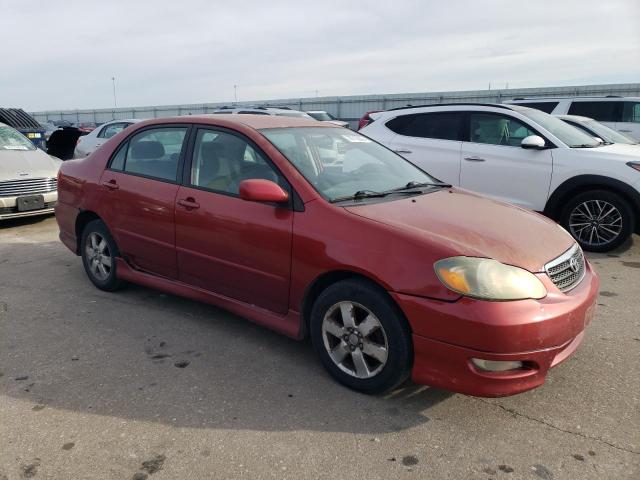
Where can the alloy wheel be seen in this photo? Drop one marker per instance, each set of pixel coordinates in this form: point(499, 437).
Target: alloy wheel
point(98, 256)
point(595, 222)
point(355, 339)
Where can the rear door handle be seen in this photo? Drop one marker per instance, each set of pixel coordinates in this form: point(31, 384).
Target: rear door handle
point(111, 184)
point(188, 203)
point(474, 159)
point(401, 151)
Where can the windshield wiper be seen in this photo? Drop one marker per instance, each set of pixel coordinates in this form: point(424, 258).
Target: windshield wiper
point(360, 194)
point(412, 185)
point(586, 145)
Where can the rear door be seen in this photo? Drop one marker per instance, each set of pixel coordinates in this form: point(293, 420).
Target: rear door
point(494, 163)
point(432, 141)
point(227, 245)
point(139, 193)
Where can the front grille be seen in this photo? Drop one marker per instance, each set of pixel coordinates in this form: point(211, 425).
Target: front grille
point(567, 270)
point(16, 188)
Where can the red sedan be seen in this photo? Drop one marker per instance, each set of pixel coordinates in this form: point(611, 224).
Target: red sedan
point(309, 229)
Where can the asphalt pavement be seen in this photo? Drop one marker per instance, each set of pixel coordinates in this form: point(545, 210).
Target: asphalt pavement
point(138, 384)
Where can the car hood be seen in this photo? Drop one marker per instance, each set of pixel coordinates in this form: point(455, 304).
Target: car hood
point(25, 164)
point(462, 223)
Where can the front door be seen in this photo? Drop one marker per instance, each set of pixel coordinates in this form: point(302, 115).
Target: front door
point(139, 192)
point(494, 163)
point(227, 245)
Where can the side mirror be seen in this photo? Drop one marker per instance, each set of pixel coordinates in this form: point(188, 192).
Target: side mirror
point(533, 142)
point(259, 190)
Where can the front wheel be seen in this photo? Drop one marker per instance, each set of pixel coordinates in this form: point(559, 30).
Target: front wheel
point(361, 337)
point(599, 220)
point(99, 252)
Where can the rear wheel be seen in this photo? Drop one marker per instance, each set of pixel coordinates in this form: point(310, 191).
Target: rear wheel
point(599, 220)
point(360, 337)
point(99, 252)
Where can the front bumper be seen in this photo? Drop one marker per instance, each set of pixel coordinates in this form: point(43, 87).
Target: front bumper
point(539, 333)
point(8, 206)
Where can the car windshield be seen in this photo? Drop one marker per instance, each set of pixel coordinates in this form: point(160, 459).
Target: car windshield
point(11, 139)
point(608, 134)
point(321, 116)
point(293, 113)
point(340, 164)
point(567, 134)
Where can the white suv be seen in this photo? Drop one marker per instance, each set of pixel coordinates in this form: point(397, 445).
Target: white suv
point(619, 113)
point(525, 157)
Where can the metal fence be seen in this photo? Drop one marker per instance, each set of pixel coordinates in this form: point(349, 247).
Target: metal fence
point(348, 108)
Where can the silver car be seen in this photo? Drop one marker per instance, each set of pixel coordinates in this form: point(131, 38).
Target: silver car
point(28, 184)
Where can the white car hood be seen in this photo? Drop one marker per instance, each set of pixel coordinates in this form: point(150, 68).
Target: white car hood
point(25, 164)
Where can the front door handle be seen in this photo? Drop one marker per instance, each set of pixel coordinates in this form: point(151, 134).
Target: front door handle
point(401, 151)
point(474, 159)
point(111, 184)
point(189, 203)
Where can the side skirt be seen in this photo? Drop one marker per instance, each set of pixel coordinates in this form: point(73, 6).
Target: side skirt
point(289, 324)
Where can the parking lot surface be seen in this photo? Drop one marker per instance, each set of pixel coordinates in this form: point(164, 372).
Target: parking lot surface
point(138, 384)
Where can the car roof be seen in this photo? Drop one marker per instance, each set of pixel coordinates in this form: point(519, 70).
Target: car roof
point(257, 122)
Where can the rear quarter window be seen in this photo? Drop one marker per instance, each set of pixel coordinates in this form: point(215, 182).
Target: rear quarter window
point(437, 125)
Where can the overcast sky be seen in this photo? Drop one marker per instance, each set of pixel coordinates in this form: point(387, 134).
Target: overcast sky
point(62, 54)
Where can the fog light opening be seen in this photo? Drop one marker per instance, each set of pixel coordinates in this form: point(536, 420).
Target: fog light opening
point(497, 365)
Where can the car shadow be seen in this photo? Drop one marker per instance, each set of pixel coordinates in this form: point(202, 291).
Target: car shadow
point(142, 355)
point(24, 221)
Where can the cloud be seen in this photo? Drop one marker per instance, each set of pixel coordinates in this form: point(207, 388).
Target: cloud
point(194, 51)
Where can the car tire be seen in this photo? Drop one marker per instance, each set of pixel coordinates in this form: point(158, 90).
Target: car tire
point(593, 216)
point(377, 351)
point(99, 252)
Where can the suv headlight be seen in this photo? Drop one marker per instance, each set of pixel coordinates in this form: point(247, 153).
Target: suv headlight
point(488, 279)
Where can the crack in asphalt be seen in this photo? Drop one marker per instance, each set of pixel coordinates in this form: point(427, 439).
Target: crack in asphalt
point(555, 427)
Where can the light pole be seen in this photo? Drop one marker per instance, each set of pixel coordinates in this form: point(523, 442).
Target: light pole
point(115, 103)
point(235, 93)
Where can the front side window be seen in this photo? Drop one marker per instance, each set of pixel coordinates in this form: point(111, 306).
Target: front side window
point(496, 129)
point(11, 139)
point(113, 129)
point(338, 163)
point(601, 111)
point(222, 160)
point(631, 112)
point(437, 125)
point(154, 153)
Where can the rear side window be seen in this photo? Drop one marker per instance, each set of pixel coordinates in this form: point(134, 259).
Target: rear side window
point(601, 111)
point(496, 129)
point(546, 107)
point(437, 125)
point(152, 153)
point(631, 112)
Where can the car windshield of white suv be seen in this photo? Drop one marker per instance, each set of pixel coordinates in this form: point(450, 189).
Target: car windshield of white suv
point(344, 166)
point(293, 113)
point(321, 116)
point(11, 139)
point(567, 134)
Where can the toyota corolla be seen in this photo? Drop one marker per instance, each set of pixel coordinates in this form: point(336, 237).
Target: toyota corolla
point(314, 230)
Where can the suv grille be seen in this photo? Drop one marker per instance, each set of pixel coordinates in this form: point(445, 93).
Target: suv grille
point(567, 270)
point(15, 188)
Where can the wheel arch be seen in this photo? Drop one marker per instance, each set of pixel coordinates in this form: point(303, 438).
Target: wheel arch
point(83, 218)
point(325, 280)
point(583, 183)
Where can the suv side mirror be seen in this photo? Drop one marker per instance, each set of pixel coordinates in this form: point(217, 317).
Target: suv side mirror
point(533, 142)
point(260, 190)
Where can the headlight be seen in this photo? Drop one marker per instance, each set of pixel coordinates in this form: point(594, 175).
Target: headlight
point(488, 279)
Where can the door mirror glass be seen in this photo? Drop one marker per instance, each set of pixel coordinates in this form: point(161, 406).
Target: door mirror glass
point(534, 142)
point(260, 190)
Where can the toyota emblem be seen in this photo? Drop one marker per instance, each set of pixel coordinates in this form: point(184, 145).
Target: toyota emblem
point(574, 265)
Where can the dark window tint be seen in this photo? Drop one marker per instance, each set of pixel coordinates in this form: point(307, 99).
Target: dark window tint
point(631, 112)
point(497, 129)
point(222, 160)
point(601, 111)
point(155, 153)
point(254, 112)
point(117, 163)
point(111, 130)
point(546, 107)
point(442, 126)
